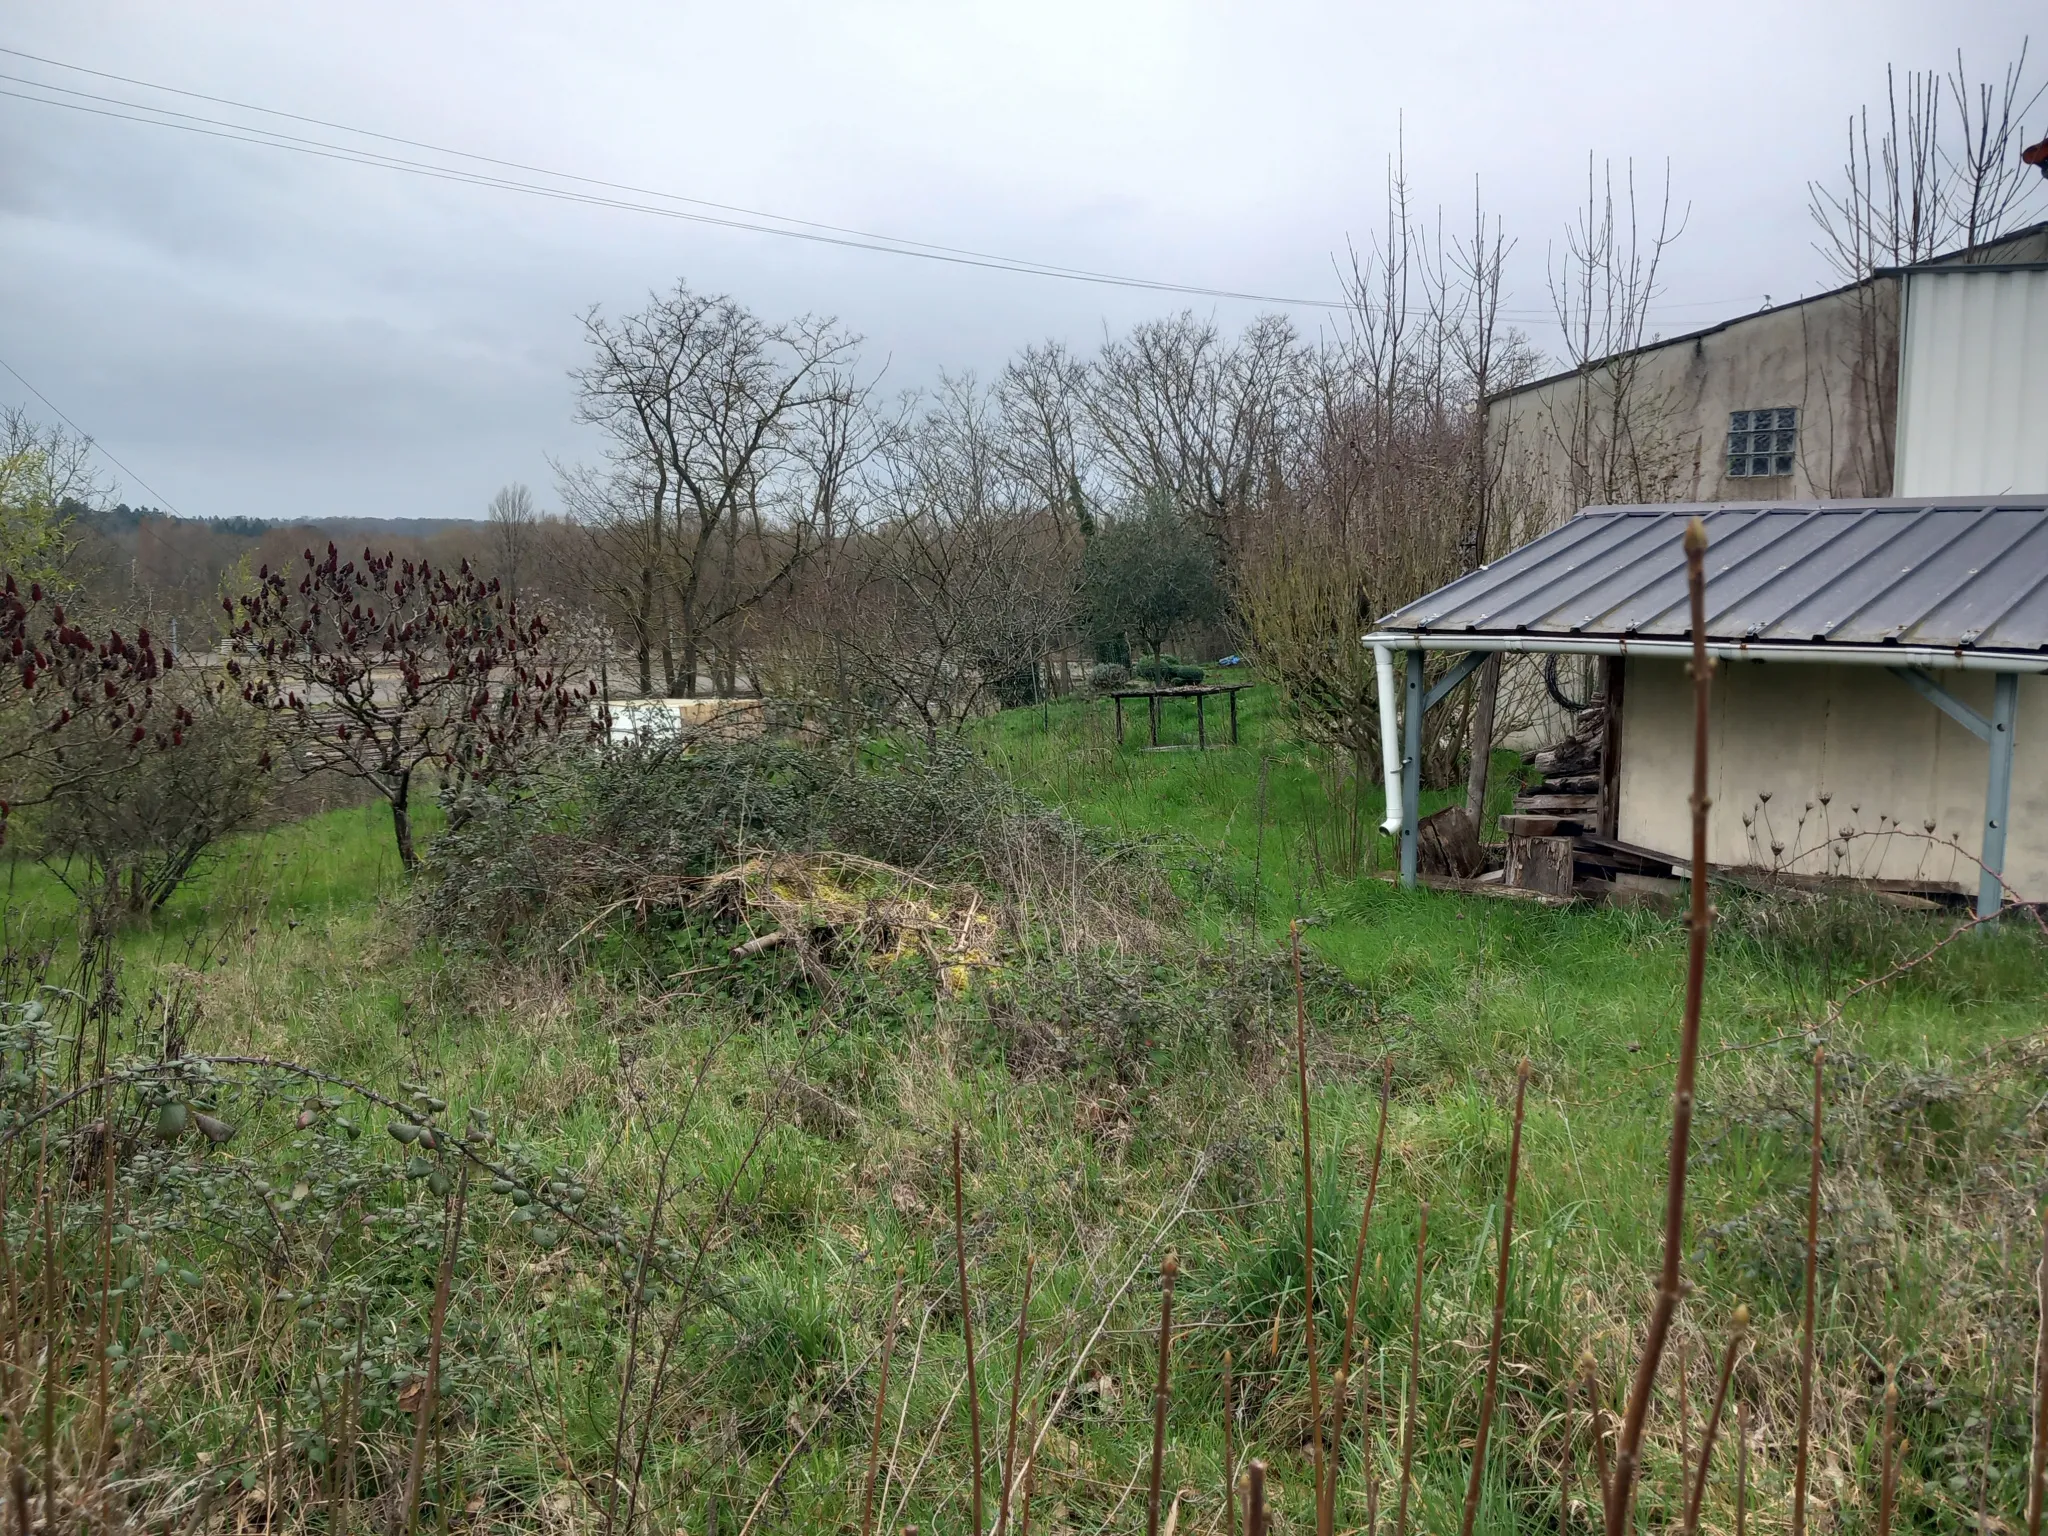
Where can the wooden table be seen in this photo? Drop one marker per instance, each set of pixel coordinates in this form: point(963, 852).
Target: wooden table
point(1199, 692)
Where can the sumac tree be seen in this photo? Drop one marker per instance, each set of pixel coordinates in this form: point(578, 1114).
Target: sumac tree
point(380, 667)
point(73, 708)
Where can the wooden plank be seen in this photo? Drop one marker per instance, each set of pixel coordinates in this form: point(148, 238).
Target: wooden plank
point(1647, 860)
point(1557, 805)
point(1523, 824)
point(1480, 887)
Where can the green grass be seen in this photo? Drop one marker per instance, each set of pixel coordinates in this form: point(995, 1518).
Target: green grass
point(1101, 1094)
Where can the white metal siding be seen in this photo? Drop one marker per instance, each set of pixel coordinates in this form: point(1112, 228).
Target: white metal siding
point(1973, 384)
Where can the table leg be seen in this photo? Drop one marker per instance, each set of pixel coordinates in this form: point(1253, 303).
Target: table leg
point(1201, 722)
point(1152, 704)
point(1233, 717)
point(1118, 701)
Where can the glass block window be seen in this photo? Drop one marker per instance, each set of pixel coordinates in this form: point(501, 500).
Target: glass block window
point(1762, 443)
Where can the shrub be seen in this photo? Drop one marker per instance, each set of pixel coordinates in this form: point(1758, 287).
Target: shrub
point(134, 824)
point(1167, 672)
point(1107, 675)
point(645, 821)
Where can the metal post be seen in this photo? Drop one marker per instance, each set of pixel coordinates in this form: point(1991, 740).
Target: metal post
point(1411, 767)
point(2005, 702)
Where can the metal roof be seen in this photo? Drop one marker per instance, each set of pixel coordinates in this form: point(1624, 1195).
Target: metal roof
point(1955, 575)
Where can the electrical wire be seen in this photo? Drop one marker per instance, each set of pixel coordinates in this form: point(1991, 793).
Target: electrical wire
point(723, 215)
point(817, 234)
point(96, 445)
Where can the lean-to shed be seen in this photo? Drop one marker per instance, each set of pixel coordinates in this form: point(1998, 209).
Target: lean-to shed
point(1880, 675)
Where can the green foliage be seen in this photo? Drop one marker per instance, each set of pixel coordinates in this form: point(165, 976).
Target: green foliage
point(1167, 671)
point(128, 828)
point(645, 818)
point(777, 1145)
point(1147, 574)
point(32, 490)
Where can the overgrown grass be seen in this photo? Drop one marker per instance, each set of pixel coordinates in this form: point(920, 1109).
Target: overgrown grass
point(1116, 1103)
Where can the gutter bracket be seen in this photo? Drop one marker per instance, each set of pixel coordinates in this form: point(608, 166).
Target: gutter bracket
point(1921, 681)
point(1464, 669)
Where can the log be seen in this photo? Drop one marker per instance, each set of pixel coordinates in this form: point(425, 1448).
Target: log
point(1448, 844)
point(1541, 864)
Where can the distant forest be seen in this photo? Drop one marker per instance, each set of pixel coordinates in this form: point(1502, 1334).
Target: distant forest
point(158, 567)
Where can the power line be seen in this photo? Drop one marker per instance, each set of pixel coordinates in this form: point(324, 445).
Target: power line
point(94, 443)
point(725, 215)
point(245, 133)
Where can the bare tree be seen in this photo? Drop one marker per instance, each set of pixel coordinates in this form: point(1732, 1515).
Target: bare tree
point(1043, 397)
point(1177, 408)
point(1931, 181)
point(1615, 431)
point(1388, 488)
point(512, 534)
point(709, 506)
point(960, 584)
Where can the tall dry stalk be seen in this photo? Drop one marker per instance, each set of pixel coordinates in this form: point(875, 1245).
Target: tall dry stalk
point(1500, 1307)
point(1229, 1454)
point(406, 1517)
point(1308, 1219)
point(1255, 1499)
point(1030, 1475)
point(1886, 1470)
point(1596, 1413)
point(1414, 1380)
point(1699, 1486)
point(1564, 1474)
point(1162, 1391)
point(1684, 1417)
point(1328, 1494)
point(1741, 1466)
point(967, 1330)
point(867, 1498)
point(1805, 1444)
point(1629, 1452)
point(1016, 1385)
point(2037, 1478)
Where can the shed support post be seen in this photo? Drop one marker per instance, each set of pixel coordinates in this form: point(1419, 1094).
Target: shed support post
point(2005, 700)
point(1411, 767)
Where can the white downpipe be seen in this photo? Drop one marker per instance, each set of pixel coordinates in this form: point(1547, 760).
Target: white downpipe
point(1390, 736)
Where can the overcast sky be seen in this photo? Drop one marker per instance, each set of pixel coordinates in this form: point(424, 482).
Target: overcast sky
point(257, 332)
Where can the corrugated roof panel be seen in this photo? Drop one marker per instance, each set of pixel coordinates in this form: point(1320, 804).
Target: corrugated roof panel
point(1973, 382)
point(1950, 574)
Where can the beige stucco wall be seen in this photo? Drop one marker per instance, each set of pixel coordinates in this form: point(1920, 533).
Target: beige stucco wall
point(1834, 357)
point(1888, 762)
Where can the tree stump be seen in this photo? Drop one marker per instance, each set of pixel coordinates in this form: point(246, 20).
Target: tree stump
point(1448, 844)
point(1540, 864)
